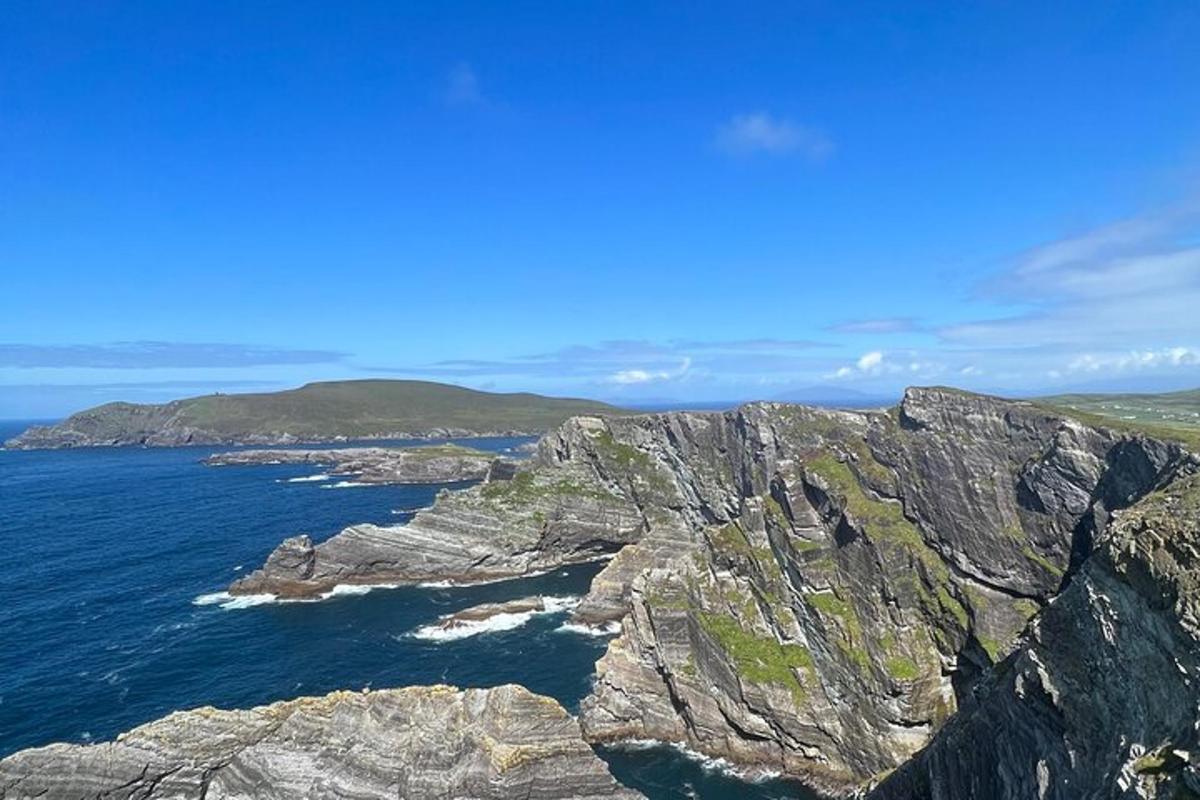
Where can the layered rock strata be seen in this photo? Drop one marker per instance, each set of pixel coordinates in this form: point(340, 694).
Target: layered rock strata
point(413, 744)
point(1102, 697)
point(801, 590)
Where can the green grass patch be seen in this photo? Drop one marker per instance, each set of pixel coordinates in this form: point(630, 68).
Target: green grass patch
point(757, 658)
point(902, 668)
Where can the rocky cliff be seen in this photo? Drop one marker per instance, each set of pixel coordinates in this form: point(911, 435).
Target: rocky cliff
point(809, 591)
point(1101, 698)
point(412, 744)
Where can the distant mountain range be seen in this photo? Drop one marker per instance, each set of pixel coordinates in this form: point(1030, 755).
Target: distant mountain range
point(336, 410)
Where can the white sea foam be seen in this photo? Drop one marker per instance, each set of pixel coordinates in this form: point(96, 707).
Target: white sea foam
point(497, 622)
point(233, 602)
point(345, 484)
point(708, 763)
point(413, 510)
point(320, 476)
point(607, 629)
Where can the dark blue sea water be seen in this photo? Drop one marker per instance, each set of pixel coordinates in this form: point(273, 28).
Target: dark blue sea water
point(105, 552)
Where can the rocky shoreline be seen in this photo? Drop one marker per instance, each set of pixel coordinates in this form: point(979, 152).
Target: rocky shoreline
point(419, 742)
point(962, 596)
point(446, 463)
point(806, 591)
point(61, 436)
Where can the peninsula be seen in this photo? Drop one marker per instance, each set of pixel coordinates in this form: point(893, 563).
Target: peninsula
point(315, 412)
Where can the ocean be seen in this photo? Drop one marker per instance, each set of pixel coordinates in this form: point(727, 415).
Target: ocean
point(111, 613)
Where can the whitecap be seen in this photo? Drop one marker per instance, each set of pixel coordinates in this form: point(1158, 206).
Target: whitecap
point(320, 476)
point(230, 601)
point(345, 484)
point(505, 621)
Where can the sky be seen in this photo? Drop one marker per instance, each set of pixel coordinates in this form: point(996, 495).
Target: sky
point(635, 202)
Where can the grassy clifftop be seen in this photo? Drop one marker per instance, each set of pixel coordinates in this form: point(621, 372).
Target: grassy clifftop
point(1170, 415)
point(315, 411)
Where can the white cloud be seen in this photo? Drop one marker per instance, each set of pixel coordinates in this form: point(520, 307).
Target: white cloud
point(759, 132)
point(1135, 360)
point(462, 86)
point(628, 377)
point(870, 362)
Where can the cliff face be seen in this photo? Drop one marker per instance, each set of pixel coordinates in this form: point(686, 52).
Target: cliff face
point(803, 590)
point(851, 576)
point(1101, 698)
point(422, 742)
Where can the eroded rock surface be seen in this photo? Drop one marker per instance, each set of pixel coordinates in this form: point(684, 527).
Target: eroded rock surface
point(413, 744)
point(1102, 698)
point(432, 464)
point(801, 590)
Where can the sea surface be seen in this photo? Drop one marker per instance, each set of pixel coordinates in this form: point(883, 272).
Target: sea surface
point(111, 612)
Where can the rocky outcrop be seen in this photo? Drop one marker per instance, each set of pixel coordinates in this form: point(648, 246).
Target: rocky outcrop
point(809, 591)
point(558, 510)
point(413, 743)
point(431, 464)
point(1102, 697)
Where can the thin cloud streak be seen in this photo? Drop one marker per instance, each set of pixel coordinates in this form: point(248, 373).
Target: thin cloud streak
point(761, 133)
point(158, 355)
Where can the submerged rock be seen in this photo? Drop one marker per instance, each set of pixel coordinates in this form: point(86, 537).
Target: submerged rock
point(413, 744)
point(430, 464)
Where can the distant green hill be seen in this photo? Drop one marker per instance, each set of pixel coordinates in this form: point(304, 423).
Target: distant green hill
point(1170, 414)
point(317, 411)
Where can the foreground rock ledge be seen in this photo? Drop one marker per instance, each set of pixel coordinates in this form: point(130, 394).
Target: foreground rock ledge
point(413, 743)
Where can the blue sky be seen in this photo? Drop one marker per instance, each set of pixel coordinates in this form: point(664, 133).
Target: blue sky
point(631, 201)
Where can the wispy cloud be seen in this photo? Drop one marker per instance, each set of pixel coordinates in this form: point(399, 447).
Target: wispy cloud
point(636, 360)
point(462, 86)
point(759, 132)
point(1131, 284)
point(156, 355)
point(882, 325)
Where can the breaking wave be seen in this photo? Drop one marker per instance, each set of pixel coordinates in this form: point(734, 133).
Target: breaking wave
point(504, 621)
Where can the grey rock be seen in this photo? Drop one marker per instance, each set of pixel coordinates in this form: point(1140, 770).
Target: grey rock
point(1102, 698)
point(382, 465)
point(417, 743)
point(802, 590)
